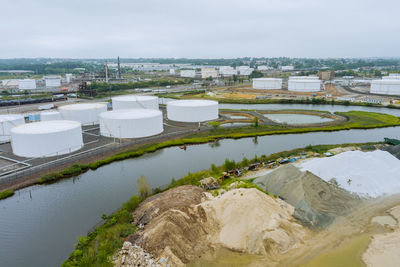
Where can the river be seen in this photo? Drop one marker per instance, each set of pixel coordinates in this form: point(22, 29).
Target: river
point(40, 224)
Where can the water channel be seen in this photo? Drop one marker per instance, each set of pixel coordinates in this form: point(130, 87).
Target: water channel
point(40, 224)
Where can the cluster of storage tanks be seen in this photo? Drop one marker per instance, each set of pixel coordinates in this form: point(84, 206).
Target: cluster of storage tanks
point(295, 83)
point(60, 132)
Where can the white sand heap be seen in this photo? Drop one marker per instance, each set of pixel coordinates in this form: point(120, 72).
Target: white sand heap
point(369, 174)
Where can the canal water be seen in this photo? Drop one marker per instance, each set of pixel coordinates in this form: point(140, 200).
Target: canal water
point(40, 224)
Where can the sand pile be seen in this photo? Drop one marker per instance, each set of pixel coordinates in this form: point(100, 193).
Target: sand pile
point(177, 228)
point(369, 174)
point(250, 221)
point(316, 202)
point(384, 249)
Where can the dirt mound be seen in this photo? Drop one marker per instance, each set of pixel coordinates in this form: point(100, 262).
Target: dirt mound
point(316, 202)
point(179, 225)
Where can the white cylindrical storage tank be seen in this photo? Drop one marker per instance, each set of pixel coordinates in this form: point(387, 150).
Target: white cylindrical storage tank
point(50, 116)
point(134, 101)
point(303, 78)
point(304, 85)
point(85, 113)
point(46, 138)
point(7, 122)
point(267, 83)
point(131, 123)
point(192, 110)
point(385, 87)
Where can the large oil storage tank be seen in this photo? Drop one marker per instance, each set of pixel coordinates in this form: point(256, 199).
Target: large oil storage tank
point(385, 87)
point(50, 116)
point(27, 84)
point(192, 110)
point(7, 122)
point(308, 85)
point(267, 83)
point(85, 113)
point(134, 101)
point(46, 138)
point(131, 123)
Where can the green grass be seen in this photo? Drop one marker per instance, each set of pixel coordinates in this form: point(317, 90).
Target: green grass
point(6, 194)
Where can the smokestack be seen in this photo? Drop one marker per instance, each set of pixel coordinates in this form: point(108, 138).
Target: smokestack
point(119, 70)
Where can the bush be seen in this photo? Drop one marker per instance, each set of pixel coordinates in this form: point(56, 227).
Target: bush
point(229, 165)
point(143, 187)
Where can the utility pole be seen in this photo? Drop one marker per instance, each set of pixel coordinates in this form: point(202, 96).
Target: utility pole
point(119, 70)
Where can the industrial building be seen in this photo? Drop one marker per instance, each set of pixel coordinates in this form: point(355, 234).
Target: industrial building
point(385, 87)
point(209, 72)
point(27, 84)
point(68, 77)
point(131, 123)
point(7, 122)
point(188, 73)
point(227, 71)
point(50, 116)
point(326, 75)
point(267, 83)
point(52, 81)
point(134, 101)
point(287, 68)
point(309, 84)
point(192, 110)
point(244, 70)
point(87, 113)
point(303, 78)
point(47, 138)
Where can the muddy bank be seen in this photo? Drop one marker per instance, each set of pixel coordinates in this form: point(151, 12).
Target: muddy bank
point(316, 202)
point(183, 223)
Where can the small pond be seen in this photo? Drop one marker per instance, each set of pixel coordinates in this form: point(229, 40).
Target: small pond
point(297, 118)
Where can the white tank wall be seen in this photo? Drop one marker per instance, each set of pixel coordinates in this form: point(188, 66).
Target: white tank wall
point(27, 84)
point(86, 113)
point(304, 85)
point(45, 139)
point(386, 87)
point(131, 123)
point(7, 122)
point(50, 116)
point(53, 82)
point(267, 83)
point(135, 101)
point(303, 78)
point(192, 110)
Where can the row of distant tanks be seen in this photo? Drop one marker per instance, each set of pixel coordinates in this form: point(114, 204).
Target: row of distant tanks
point(132, 116)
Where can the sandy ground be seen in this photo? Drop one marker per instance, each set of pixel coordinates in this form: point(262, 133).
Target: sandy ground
point(384, 249)
point(184, 223)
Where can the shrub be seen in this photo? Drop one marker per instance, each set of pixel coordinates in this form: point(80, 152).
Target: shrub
point(6, 194)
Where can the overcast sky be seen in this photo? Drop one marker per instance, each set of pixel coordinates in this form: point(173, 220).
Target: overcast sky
point(199, 29)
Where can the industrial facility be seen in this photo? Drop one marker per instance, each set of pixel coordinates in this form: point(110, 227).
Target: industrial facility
point(188, 73)
point(304, 84)
point(27, 84)
point(267, 83)
point(7, 122)
point(386, 86)
point(52, 81)
point(86, 114)
point(47, 138)
point(131, 123)
point(135, 102)
point(192, 110)
point(209, 73)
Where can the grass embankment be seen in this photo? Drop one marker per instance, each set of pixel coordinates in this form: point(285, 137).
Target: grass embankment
point(6, 194)
point(356, 120)
point(97, 248)
point(316, 101)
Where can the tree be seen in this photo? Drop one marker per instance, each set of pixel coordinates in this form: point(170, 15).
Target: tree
point(143, 187)
point(256, 74)
point(255, 121)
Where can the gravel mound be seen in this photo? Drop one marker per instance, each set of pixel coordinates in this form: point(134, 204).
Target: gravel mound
point(316, 201)
point(394, 150)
